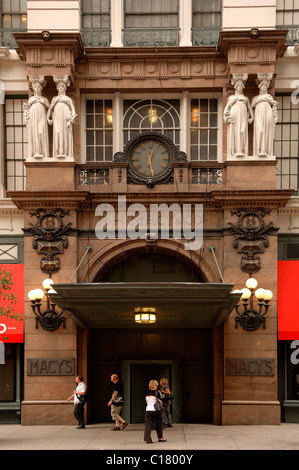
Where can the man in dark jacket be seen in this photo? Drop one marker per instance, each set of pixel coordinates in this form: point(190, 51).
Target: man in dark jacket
point(116, 403)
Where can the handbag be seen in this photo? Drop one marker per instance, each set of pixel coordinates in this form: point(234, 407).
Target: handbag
point(167, 396)
point(83, 398)
point(118, 401)
point(158, 406)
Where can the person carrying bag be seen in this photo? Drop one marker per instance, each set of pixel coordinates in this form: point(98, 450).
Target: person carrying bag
point(153, 412)
point(80, 398)
point(167, 397)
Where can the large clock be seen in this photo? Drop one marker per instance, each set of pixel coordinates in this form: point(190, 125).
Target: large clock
point(150, 156)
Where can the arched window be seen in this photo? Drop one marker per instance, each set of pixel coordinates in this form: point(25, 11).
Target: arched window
point(152, 115)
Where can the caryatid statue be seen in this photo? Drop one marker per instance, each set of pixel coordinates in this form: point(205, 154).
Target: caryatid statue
point(36, 120)
point(237, 115)
point(265, 118)
point(62, 115)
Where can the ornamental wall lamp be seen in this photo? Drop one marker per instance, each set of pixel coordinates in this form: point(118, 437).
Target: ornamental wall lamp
point(251, 318)
point(145, 315)
point(49, 319)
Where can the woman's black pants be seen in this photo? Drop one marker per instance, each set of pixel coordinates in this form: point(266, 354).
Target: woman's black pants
point(148, 422)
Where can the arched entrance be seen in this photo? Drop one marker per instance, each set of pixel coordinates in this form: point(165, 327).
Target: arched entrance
point(182, 355)
point(185, 341)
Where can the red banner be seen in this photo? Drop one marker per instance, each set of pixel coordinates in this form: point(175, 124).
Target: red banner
point(12, 330)
point(287, 300)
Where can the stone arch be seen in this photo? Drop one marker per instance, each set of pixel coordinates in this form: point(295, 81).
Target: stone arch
point(113, 252)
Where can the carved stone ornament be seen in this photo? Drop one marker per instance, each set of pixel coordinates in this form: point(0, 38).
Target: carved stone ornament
point(35, 112)
point(250, 236)
point(61, 114)
point(237, 115)
point(49, 237)
point(265, 118)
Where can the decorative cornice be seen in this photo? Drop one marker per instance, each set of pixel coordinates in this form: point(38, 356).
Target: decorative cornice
point(27, 41)
point(136, 64)
point(275, 38)
point(274, 198)
point(28, 200)
point(155, 53)
point(225, 198)
point(251, 161)
point(61, 52)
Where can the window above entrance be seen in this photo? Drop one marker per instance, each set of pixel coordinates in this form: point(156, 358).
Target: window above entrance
point(191, 122)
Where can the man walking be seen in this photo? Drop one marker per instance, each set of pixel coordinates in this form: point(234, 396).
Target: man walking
point(79, 406)
point(116, 403)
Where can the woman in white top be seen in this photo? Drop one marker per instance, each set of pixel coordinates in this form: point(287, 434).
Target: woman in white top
point(151, 414)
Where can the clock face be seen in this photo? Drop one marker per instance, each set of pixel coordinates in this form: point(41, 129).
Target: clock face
point(150, 157)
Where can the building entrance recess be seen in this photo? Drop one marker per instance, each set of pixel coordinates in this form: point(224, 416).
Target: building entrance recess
point(184, 357)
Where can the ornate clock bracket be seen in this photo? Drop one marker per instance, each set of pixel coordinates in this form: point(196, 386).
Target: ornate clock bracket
point(250, 236)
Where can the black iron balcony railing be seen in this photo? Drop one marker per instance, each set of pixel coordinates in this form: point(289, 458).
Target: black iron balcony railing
point(151, 37)
point(293, 34)
point(90, 174)
point(205, 36)
point(96, 37)
point(207, 175)
point(111, 173)
point(7, 39)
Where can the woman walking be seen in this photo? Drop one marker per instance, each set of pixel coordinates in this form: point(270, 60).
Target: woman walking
point(152, 396)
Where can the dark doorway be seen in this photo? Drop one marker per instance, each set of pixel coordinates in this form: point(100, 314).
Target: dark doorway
point(141, 374)
point(183, 355)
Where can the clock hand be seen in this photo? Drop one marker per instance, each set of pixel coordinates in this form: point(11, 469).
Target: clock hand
point(149, 161)
point(149, 158)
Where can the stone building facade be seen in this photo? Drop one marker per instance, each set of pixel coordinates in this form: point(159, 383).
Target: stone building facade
point(92, 98)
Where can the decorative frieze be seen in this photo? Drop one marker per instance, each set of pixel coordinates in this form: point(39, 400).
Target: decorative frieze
point(148, 69)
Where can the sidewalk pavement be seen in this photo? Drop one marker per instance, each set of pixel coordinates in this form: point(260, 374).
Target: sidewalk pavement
point(181, 437)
